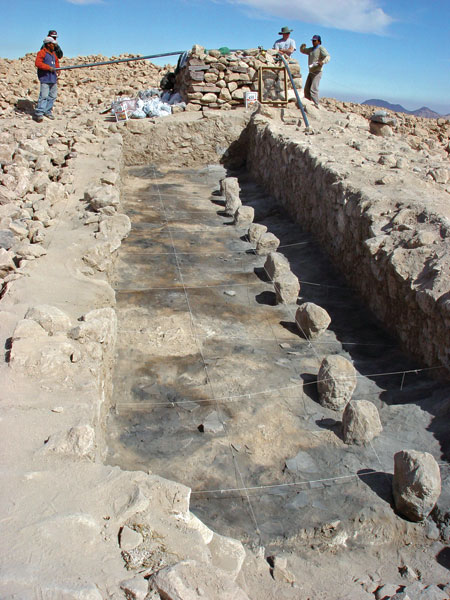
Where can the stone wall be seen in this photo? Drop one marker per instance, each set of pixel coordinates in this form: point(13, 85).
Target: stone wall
point(189, 139)
point(220, 81)
point(393, 252)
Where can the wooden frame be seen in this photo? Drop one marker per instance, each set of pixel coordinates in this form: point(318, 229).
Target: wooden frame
point(261, 85)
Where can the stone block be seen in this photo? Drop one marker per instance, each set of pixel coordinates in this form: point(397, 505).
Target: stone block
point(312, 320)
point(360, 422)
point(135, 588)
point(416, 484)
point(129, 538)
point(336, 382)
point(244, 216)
point(255, 231)
point(190, 580)
point(50, 318)
point(267, 243)
point(230, 188)
point(276, 265)
point(287, 288)
point(380, 129)
point(227, 554)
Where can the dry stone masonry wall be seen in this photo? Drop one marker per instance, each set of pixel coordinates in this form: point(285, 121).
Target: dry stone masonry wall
point(390, 240)
point(220, 81)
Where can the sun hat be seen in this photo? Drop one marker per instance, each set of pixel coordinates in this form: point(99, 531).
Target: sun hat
point(285, 30)
point(52, 33)
point(49, 40)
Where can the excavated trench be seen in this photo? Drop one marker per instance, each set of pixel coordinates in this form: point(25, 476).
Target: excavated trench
point(215, 388)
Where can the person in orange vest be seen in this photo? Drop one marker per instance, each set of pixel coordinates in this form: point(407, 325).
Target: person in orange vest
point(46, 62)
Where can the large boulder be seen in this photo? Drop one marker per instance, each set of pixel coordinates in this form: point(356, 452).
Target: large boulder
point(336, 382)
point(312, 320)
point(360, 422)
point(416, 484)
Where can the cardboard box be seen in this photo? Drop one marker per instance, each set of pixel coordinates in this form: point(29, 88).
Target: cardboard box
point(250, 98)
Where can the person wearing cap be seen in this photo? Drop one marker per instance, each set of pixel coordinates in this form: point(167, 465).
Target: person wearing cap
point(46, 62)
point(285, 45)
point(54, 34)
point(317, 57)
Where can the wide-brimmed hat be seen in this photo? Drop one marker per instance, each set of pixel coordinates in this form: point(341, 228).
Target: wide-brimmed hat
point(49, 40)
point(285, 30)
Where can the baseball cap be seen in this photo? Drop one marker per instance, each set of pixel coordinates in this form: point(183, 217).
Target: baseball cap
point(52, 33)
point(316, 37)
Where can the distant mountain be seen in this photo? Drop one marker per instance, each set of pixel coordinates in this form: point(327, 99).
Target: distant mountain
point(420, 112)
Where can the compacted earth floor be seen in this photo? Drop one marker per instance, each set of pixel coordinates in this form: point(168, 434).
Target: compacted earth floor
point(214, 387)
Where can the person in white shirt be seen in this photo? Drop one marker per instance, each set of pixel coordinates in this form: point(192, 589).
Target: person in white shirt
point(285, 45)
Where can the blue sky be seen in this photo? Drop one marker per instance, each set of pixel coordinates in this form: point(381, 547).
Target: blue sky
point(397, 50)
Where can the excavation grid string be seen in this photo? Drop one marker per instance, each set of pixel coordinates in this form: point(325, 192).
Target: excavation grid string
point(329, 480)
point(273, 391)
point(192, 321)
point(205, 366)
point(242, 487)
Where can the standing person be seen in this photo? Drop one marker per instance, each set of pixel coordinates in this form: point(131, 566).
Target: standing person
point(54, 34)
point(46, 62)
point(317, 57)
point(285, 45)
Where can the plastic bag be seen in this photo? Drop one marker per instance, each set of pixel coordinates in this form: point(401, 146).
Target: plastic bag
point(138, 114)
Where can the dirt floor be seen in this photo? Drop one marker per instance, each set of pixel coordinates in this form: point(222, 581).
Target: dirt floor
point(215, 388)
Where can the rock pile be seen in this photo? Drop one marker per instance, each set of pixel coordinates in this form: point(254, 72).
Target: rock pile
point(79, 88)
point(214, 80)
point(428, 135)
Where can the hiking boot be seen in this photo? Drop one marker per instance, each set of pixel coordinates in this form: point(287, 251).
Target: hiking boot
point(38, 119)
point(50, 116)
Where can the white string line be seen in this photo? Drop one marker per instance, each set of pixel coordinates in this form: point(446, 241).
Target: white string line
point(281, 485)
point(280, 340)
point(193, 328)
point(238, 397)
point(297, 483)
point(252, 512)
point(218, 285)
point(192, 321)
point(207, 254)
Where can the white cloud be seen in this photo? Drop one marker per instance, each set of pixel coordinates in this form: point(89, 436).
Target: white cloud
point(364, 16)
